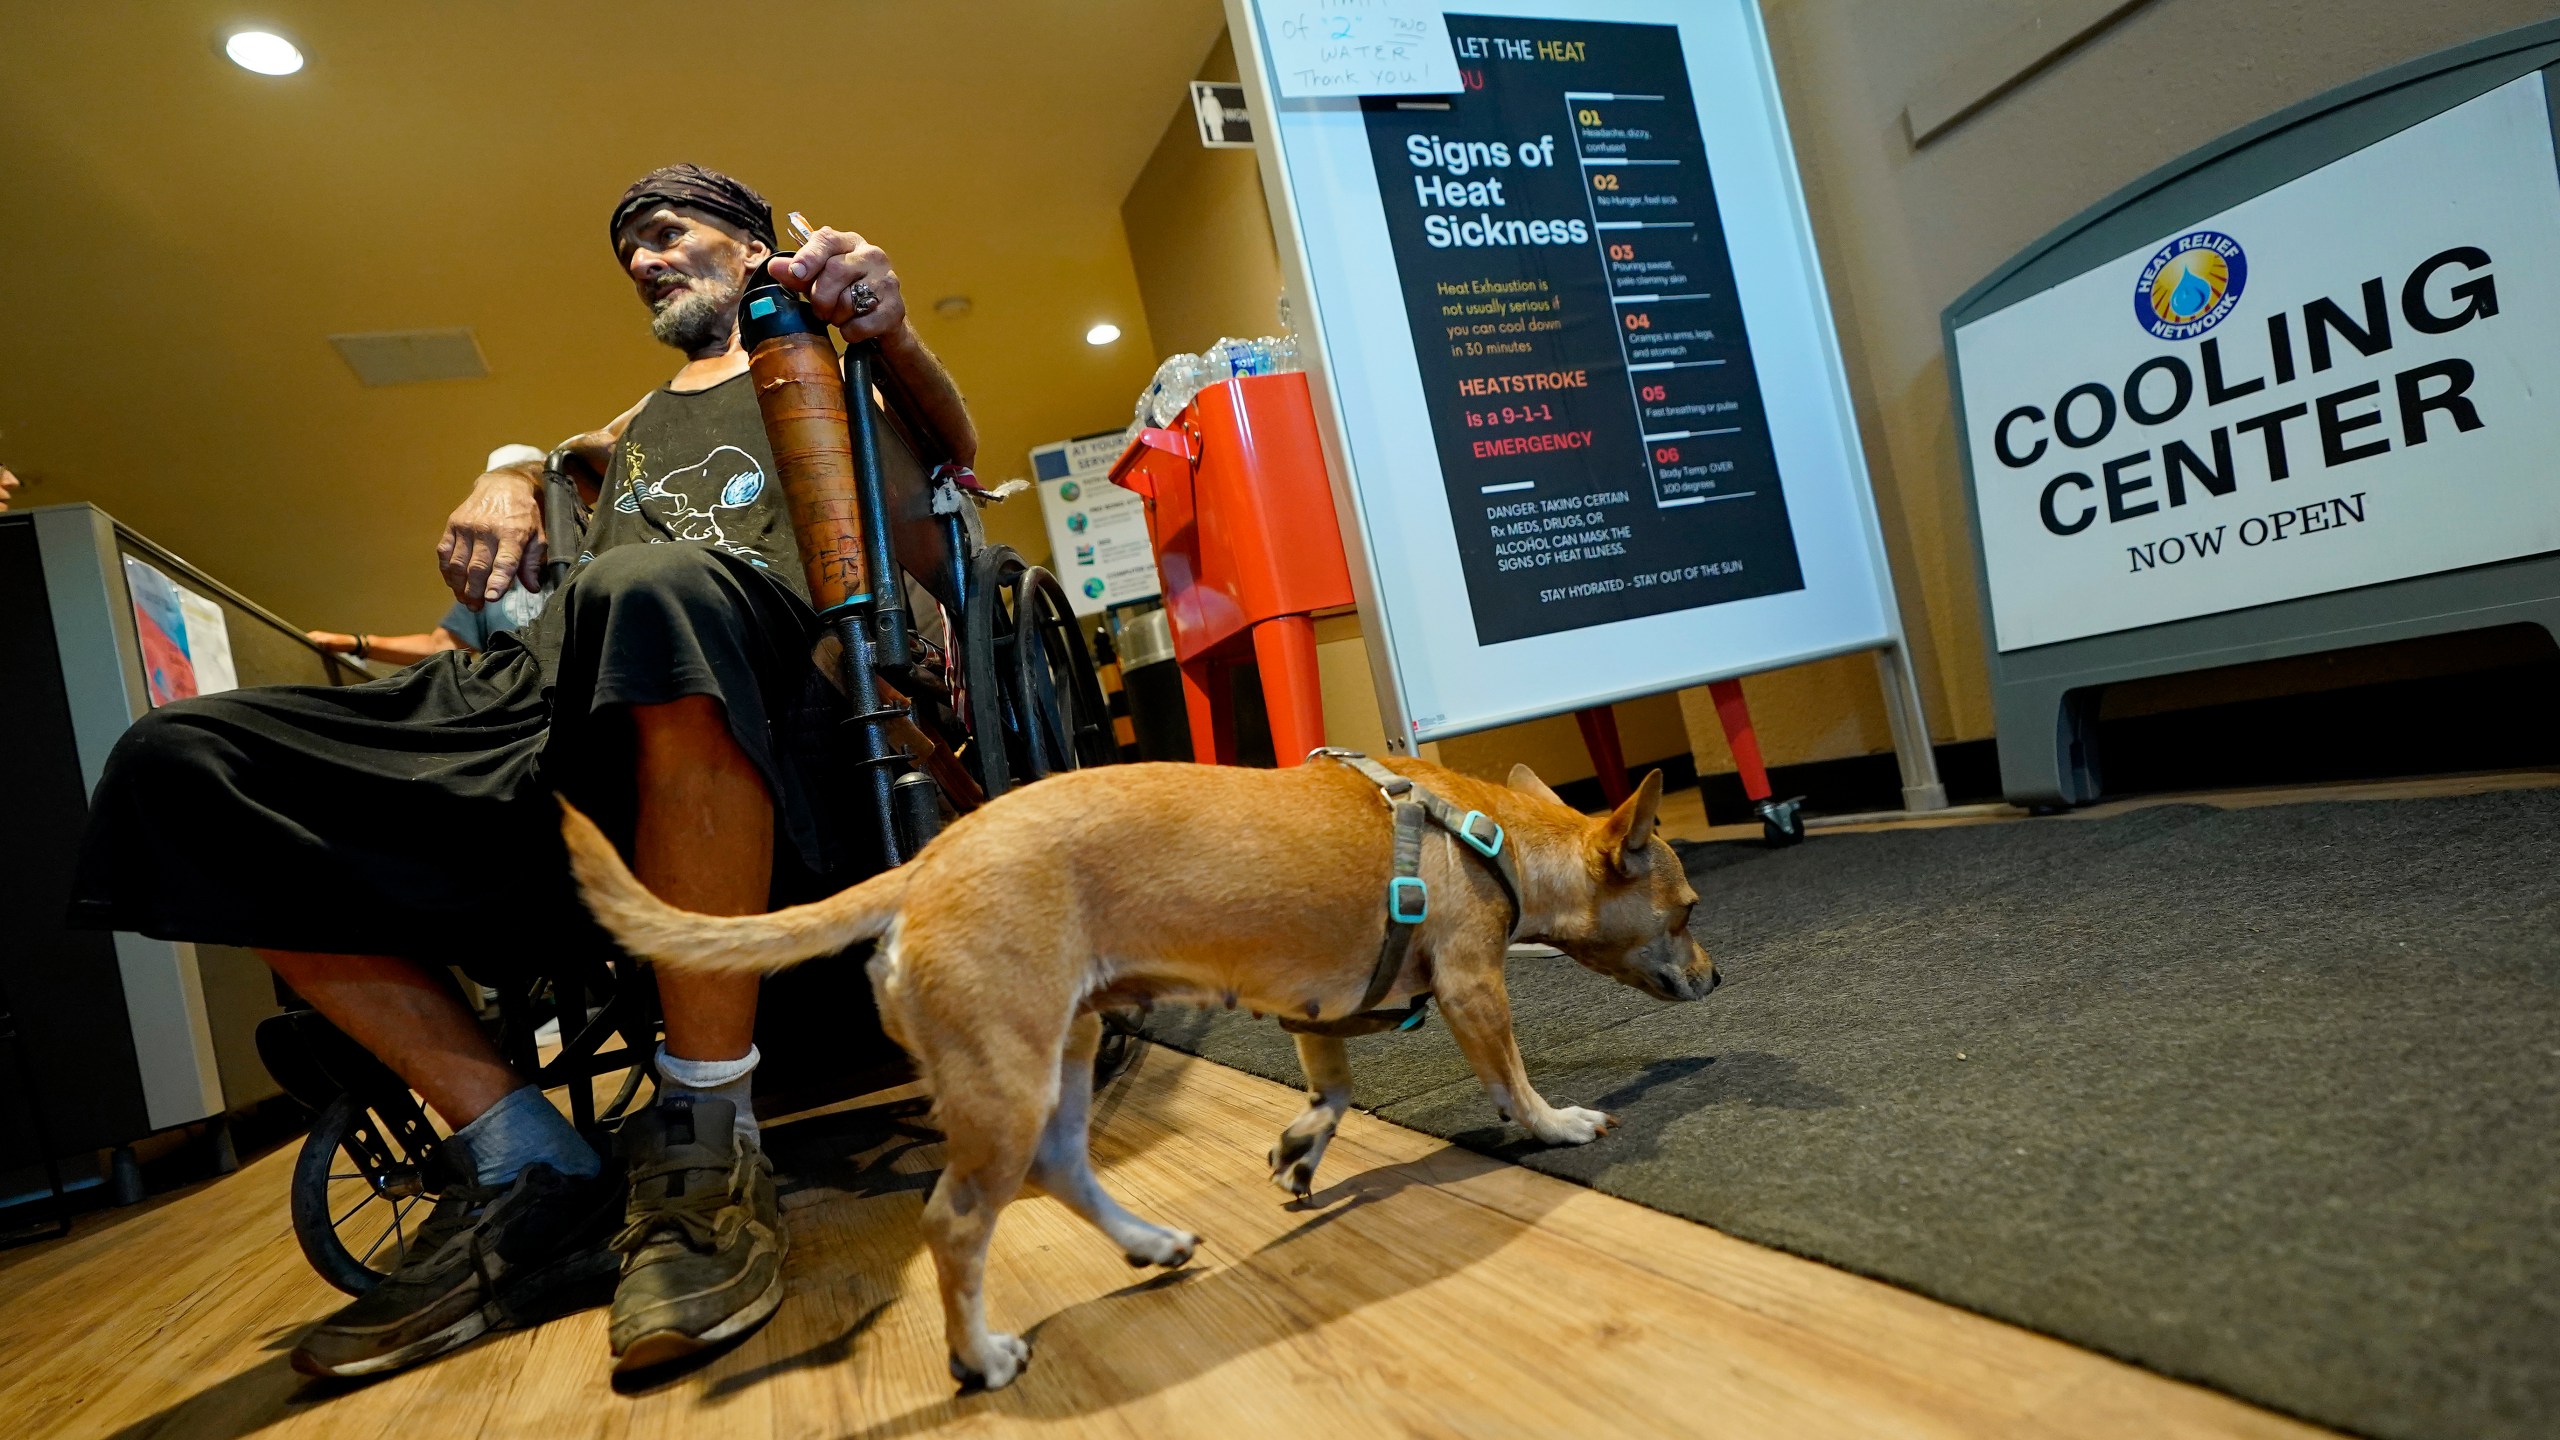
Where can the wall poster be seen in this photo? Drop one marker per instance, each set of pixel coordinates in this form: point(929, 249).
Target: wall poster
point(1582, 349)
point(1097, 531)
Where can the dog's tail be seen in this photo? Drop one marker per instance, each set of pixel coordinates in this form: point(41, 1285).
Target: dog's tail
point(650, 927)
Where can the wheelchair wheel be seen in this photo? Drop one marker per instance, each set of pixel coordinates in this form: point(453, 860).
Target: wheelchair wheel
point(364, 1182)
point(1122, 1032)
point(1034, 705)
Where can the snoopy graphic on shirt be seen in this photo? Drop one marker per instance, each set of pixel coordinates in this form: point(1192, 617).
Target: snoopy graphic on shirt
point(686, 504)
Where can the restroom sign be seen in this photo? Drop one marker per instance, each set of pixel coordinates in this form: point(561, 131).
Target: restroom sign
point(2348, 379)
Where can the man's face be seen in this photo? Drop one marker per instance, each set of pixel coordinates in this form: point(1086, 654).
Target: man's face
point(690, 270)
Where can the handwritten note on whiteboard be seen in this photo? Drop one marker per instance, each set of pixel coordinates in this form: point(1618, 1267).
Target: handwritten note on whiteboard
point(1359, 47)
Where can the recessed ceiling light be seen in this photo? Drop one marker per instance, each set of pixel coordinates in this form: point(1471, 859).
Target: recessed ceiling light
point(263, 51)
point(1102, 334)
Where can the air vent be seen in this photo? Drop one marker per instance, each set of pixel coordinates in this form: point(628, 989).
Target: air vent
point(406, 357)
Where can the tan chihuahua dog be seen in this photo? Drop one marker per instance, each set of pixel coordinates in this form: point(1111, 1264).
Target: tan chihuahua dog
point(1131, 884)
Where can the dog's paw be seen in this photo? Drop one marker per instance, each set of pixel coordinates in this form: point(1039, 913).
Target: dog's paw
point(1573, 1125)
point(1006, 1356)
point(1171, 1249)
point(1296, 1178)
point(1294, 1159)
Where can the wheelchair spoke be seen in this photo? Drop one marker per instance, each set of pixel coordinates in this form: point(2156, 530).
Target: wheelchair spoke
point(367, 1256)
point(366, 1199)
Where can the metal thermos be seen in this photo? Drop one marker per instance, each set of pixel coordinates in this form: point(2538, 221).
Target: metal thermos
point(1151, 681)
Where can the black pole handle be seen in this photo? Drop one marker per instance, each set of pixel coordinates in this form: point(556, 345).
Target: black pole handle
point(893, 648)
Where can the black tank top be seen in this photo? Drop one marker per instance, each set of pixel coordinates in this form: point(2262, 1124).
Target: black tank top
point(695, 467)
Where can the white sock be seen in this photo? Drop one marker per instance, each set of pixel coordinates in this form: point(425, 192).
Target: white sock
point(730, 1080)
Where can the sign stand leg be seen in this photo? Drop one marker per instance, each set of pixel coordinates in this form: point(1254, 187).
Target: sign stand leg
point(1608, 758)
point(1781, 821)
point(1734, 714)
point(1921, 788)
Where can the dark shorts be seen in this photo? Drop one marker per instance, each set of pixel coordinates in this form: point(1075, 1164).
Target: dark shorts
point(414, 815)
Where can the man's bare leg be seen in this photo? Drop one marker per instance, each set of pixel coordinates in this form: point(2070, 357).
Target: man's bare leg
point(409, 1017)
point(704, 843)
point(704, 840)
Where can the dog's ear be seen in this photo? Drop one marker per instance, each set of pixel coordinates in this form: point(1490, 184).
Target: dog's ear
point(1526, 781)
point(1624, 835)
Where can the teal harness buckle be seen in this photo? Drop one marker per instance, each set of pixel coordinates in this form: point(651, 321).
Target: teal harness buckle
point(1467, 832)
point(1401, 887)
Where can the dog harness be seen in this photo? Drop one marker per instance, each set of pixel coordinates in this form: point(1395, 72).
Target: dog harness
point(1408, 895)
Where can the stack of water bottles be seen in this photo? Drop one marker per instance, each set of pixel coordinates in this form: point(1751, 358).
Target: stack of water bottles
point(1183, 377)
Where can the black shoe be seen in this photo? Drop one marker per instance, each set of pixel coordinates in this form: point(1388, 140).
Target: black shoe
point(702, 1254)
point(490, 1257)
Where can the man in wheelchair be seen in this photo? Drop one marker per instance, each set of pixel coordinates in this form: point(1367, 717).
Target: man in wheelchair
point(668, 690)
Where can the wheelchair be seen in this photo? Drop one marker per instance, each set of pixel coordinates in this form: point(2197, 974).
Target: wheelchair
point(1001, 693)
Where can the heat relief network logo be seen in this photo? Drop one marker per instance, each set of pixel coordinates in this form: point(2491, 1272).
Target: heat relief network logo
point(2190, 284)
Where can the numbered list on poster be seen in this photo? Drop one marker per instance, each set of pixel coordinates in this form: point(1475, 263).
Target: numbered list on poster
point(1589, 381)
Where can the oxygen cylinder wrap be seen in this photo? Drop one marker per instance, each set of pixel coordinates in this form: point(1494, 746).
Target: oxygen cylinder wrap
point(802, 397)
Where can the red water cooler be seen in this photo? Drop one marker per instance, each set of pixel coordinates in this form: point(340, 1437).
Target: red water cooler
point(1241, 518)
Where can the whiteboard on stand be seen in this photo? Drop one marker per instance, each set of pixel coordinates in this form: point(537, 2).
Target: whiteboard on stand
point(1589, 430)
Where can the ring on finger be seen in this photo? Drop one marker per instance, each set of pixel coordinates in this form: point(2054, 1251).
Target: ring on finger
point(862, 298)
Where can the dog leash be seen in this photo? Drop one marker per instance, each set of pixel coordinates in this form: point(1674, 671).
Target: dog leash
point(1408, 895)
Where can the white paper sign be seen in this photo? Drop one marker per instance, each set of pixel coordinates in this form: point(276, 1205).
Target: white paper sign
point(1358, 47)
point(2343, 381)
point(1097, 531)
point(209, 643)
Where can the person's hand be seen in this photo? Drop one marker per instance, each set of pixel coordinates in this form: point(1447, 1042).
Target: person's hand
point(494, 539)
point(826, 270)
point(8, 484)
point(331, 641)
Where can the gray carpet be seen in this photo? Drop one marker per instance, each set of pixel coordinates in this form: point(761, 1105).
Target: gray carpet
point(2266, 1099)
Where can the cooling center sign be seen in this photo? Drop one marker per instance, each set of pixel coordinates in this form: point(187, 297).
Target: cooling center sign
point(2351, 378)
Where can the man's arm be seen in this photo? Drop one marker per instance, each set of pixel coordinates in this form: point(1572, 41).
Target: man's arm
point(826, 269)
point(594, 448)
point(390, 649)
point(933, 390)
point(494, 539)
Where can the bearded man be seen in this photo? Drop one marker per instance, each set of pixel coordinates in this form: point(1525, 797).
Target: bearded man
point(667, 688)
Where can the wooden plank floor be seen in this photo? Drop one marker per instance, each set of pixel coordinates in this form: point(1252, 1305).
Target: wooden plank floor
point(1428, 1292)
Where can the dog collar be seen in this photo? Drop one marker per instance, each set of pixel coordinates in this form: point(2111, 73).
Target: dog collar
point(1414, 808)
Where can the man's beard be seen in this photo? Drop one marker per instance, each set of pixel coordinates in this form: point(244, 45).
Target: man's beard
point(698, 317)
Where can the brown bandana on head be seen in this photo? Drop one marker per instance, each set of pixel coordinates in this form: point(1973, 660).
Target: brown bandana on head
point(695, 188)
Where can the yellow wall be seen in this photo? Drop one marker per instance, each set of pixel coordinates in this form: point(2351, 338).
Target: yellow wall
point(1200, 236)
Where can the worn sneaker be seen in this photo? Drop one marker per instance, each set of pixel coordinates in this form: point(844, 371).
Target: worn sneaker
point(489, 1257)
point(702, 1254)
